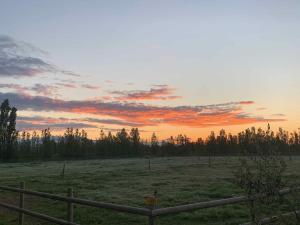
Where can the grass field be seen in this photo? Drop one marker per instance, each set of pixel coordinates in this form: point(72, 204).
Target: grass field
point(178, 180)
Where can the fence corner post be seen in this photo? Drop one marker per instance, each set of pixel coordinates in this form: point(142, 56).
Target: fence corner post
point(151, 202)
point(70, 206)
point(21, 204)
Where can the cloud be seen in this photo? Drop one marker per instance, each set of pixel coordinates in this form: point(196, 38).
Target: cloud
point(58, 126)
point(43, 89)
point(20, 59)
point(70, 73)
point(38, 123)
point(66, 85)
point(15, 87)
point(88, 86)
point(15, 59)
point(143, 115)
point(246, 102)
point(159, 92)
point(261, 108)
point(278, 115)
point(113, 122)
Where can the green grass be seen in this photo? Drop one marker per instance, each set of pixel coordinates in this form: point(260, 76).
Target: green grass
point(178, 180)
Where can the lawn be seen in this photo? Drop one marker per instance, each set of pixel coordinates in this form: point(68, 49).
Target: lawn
point(178, 180)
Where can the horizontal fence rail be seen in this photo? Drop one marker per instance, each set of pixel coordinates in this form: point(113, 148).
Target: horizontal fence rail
point(70, 200)
point(150, 212)
point(211, 204)
point(37, 215)
point(116, 207)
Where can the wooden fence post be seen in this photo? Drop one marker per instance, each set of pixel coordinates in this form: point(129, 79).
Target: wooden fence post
point(63, 170)
point(21, 204)
point(151, 220)
point(252, 211)
point(149, 164)
point(70, 206)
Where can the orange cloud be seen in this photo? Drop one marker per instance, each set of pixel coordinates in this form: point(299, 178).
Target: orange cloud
point(145, 115)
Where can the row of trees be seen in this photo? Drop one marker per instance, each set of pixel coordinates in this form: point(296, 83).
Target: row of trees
point(75, 143)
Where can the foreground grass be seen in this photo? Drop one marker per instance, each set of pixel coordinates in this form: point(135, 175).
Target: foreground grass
point(178, 180)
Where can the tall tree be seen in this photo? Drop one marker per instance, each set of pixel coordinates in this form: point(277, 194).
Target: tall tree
point(123, 142)
point(47, 146)
point(154, 144)
point(135, 139)
point(8, 132)
point(211, 146)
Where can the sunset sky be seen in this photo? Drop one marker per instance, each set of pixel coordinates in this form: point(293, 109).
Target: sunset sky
point(163, 66)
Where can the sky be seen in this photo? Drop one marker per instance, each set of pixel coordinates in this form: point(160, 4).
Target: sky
point(164, 66)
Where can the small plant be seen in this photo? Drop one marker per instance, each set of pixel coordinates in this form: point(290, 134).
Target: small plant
point(260, 175)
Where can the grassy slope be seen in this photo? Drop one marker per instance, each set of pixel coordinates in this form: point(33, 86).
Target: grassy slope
point(127, 181)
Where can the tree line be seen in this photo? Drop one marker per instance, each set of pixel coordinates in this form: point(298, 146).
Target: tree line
point(75, 144)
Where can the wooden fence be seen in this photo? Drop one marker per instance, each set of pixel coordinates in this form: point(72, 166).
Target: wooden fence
point(150, 213)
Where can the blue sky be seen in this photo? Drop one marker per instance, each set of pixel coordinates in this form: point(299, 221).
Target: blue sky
point(206, 52)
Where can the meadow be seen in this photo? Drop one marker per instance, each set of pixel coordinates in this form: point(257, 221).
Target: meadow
point(178, 180)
